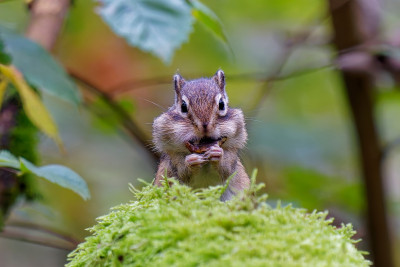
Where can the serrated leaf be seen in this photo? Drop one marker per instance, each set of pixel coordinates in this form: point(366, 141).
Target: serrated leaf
point(33, 106)
point(39, 67)
point(8, 160)
point(60, 175)
point(155, 26)
point(208, 18)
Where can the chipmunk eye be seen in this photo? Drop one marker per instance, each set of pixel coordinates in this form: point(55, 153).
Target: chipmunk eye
point(221, 104)
point(184, 108)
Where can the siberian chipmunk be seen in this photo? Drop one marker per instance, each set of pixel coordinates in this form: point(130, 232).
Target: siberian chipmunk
point(200, 135)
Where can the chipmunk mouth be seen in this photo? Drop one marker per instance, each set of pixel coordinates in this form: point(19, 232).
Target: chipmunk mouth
point(202, 145)
point(207, 140)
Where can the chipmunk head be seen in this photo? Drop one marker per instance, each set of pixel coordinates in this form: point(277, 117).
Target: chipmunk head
point(202, 102)
point(199, 116)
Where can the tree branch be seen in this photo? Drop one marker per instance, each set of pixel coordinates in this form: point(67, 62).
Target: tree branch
point(47, 17)
point(132, 85)
point(46, 230)
point(289, 46)
point(128, 123)
point(355, 23)
point(17, 235)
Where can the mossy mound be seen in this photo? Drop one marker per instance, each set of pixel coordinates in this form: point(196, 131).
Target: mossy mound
point(177, 226)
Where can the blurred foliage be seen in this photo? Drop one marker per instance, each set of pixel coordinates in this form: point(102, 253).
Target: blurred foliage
point(57, 174)
point(23, 142)
point(209, 19)
point(301, 135)
point(31, 103)
point(40, 69)
point(30, 61)
point(5, 58)
point(23, 112)
point(313, 190)
point(158, 26)
point(105, 118)
point(24, 139)
point(242, 232)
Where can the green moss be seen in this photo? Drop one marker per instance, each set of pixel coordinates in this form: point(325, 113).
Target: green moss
point(23, 142)
point(23, 138)
point(178, 226)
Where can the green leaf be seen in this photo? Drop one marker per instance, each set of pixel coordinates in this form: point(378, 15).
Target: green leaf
point(57, 174)
point(8, 160)
point(5, 58)
point(39, 67)
point(32, 104)
point(208, 18)
point(60, 175)
point(155, 26)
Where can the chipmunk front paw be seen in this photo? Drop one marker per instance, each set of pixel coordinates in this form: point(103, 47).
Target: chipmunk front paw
point(215, 153)
point(195, 160)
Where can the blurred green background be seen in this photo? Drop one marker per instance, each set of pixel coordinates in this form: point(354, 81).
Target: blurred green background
point(300, 137)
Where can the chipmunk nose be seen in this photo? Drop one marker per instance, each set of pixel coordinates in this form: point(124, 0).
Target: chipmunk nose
point(205, 126)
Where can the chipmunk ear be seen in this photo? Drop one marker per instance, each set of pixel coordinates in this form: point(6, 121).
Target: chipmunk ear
point(178, 83)
point(219, 78)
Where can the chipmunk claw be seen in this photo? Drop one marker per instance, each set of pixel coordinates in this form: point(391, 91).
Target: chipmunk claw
point(194, 160)
point(215, 153)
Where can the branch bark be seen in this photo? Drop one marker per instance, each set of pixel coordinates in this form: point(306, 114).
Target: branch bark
point(27, 226)
point(43, 241)
point(130, 125)
point(47, 17)
point(356, 23)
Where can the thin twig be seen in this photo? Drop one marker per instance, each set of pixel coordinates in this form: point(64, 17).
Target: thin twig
point(299, 73)
point(289, 46)
point(127, 121)
point(43, 229)
point(132, 85)
point(281, 62)
point(9, 234)
point(122, 131)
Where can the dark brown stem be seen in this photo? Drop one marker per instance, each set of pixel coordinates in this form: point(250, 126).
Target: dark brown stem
point(127, 121)
point(355, 23)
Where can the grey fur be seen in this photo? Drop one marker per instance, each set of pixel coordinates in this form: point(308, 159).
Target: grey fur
point(172, 129)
